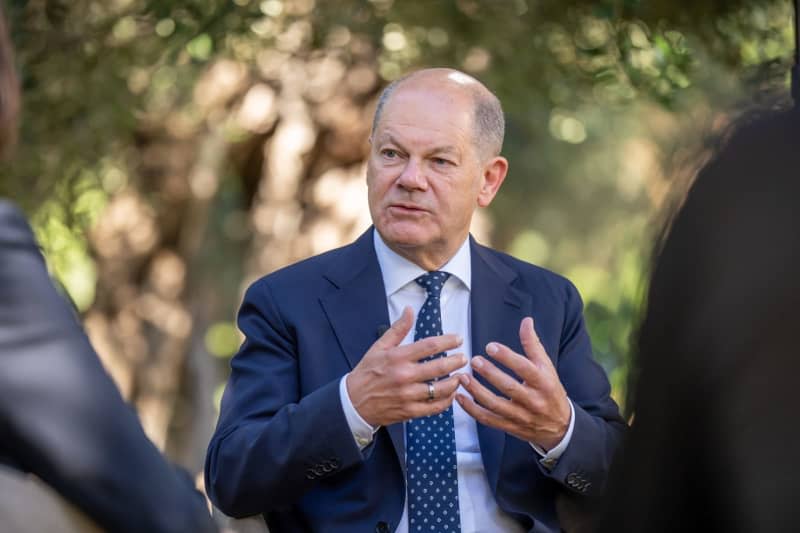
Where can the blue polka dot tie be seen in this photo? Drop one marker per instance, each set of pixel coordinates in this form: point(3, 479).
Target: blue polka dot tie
point(431, 440)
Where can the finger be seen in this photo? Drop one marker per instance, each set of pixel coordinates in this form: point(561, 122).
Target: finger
point(442, 366)
point(531, 344)
point(418, 391)
point(426, 408)
point(519, 364)
point(506, 384)
point(489, 400)
point(481, 414)
point(429, 346)
point(398, 331)
point(443, 388)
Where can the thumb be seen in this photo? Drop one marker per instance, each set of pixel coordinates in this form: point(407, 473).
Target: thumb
point(400, 328)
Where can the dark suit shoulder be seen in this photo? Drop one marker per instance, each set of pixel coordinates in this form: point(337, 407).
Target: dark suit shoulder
point(321, 272)
point(302, 276)
point(14, 228)
point(317, 264)
point(531, 275)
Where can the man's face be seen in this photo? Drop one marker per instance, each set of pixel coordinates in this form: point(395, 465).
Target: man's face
point(424, 174)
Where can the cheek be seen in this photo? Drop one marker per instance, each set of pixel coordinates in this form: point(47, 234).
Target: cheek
point(373, 198)
point(378, 180)
point(373, 186)
point(456, 209)
point(377, 193)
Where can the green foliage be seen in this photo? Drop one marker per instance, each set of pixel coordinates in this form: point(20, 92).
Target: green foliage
point(222, 339)
point(599, 96)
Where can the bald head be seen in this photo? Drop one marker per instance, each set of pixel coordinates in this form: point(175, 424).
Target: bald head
point(488, 121)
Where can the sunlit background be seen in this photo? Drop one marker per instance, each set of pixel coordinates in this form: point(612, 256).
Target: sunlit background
point(174, 151)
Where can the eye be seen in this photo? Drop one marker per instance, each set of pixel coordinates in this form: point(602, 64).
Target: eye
point(389, 153)
point(441, 162)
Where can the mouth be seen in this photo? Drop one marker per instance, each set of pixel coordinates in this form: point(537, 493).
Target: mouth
point(406, 208)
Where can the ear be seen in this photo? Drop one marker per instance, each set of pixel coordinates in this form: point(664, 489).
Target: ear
point(494, 172)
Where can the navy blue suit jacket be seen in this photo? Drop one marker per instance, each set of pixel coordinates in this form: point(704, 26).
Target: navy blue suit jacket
point(282, 446)
point(61, 416)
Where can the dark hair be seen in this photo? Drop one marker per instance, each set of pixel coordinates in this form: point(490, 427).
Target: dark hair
point(9, 90)
point(713, 443)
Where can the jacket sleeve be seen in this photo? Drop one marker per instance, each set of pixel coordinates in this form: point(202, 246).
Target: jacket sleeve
point(583, 467)
point(62, 417)
point(273, 443)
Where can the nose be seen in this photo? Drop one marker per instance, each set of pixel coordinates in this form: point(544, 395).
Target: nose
point(412, 177)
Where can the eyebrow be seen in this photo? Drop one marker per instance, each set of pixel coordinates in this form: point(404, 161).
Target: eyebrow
point(387, 137)
point(446, 149)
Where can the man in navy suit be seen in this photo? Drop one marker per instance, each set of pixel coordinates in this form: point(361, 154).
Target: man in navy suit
point(326, 420)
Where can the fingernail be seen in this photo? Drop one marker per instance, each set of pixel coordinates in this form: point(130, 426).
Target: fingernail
point(464, 379)
point(491, 348)
point(477, 362)
point(460, 339)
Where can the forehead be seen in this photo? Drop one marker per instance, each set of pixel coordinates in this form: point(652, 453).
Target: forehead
point(427, 114)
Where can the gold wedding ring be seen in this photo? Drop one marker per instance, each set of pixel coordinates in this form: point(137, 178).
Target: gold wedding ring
point(431, 392)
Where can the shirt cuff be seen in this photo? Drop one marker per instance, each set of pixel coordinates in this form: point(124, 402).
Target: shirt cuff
point(361, 430)
point(549, 458)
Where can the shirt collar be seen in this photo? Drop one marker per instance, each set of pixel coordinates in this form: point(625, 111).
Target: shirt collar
point(398, 271)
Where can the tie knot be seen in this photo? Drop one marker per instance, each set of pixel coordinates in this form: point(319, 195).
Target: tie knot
point(433, 282)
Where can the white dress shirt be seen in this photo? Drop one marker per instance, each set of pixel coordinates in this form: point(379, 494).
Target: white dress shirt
point(478, 509)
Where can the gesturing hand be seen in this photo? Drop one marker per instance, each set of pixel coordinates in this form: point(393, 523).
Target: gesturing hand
point(389, 384)
point(536, 410)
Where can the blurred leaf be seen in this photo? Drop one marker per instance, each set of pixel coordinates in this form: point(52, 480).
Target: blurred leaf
point(222, 339)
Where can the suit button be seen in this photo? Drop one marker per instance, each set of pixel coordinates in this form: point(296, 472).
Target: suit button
point(334, 463)
point(310, 474)
point(381, 527)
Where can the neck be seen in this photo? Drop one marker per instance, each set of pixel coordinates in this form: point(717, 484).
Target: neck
point(427, 258)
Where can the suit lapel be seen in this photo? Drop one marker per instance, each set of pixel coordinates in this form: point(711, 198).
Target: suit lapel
point(497, 309)
point(358, 308)
point(358, 311)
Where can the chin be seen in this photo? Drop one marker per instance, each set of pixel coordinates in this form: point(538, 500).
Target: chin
point(403, 236)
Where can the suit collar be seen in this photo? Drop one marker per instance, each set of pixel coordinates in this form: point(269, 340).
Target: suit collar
point(354, 261)
point(487, 268)
point(358, 311)
point(398, 271)
point(497, 308)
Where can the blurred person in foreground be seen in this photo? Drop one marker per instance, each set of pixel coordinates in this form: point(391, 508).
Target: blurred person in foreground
point(715, 440)
point(62, 417)
point(334, 421)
